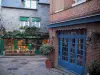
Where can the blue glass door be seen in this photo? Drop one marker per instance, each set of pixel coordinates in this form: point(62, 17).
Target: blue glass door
point(72, 51)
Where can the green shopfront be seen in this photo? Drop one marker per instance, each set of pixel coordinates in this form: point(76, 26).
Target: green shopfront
point(21, 45)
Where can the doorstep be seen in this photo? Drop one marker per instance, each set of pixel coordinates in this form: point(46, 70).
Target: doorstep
point(66, 70)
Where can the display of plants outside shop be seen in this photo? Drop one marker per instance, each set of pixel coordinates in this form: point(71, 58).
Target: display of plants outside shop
point(27, 38)
point(47, 49)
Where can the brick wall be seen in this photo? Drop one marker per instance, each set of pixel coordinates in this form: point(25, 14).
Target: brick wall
point(93, 47)
point(54, 41)
point(87, 8)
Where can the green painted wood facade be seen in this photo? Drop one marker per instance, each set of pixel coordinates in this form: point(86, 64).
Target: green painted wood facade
point(15, 44)
point(1, 46)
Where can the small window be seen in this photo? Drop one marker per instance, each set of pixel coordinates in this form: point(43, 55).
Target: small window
point(24, 23)
point(31, 4)
point(77, 2)
point(36, 24)
point(30, 21)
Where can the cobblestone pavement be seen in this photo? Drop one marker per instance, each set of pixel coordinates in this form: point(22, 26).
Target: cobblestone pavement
point(28, 65)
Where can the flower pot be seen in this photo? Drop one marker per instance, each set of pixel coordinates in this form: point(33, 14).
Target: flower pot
point(49, 63)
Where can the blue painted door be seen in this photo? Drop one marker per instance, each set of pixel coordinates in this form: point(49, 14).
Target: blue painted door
point(72, 50)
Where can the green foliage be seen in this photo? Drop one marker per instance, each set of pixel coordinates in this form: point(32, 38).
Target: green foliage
point(94, 68)
point(46, 49)
point(22, 27)
point(31, 30)
point(12, 33)
point(2, 29)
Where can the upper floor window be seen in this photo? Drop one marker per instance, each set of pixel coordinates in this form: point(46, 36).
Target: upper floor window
point(31, 4)
point(36, 22)
point(77, 2)
point(32, 21)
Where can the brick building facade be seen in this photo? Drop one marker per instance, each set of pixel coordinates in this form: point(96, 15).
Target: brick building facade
point(73, 23)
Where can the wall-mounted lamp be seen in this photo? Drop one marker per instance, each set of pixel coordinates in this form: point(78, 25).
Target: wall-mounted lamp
point(88, 40)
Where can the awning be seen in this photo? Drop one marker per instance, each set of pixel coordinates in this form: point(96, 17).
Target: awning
point(77, 21)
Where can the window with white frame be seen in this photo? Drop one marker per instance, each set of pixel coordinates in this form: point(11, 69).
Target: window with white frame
point(36, 22)
point(33, 21)
point(31, 4)
point(77, 2)
point(24, 23)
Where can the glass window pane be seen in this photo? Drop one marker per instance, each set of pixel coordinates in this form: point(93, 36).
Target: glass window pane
point(26, 23)
point(72, 55)
point(73, 40)
point(64, 48)
point(63, 57)
point(80, 52)
point(72, 60)
point(80, 46)
point(33, 4)
point(72, 50)
point(80, 40)
point(27, 4)
point(66, 58)
point(79, 60)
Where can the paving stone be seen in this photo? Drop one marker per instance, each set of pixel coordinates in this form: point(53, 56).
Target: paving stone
point(26, 66)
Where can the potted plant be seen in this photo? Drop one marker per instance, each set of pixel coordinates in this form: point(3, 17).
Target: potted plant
point(94, 68)
point(47, 50)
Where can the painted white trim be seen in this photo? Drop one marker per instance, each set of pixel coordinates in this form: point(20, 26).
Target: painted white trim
point(59, 10)
point(77, 3)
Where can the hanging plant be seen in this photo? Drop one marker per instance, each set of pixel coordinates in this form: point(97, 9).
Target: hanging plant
point(46, 49)
point(94, 68)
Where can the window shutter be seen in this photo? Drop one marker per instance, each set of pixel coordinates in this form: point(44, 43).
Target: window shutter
point(36, 19)
point(24, 18)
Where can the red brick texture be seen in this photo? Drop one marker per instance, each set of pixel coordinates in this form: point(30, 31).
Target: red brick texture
point(54, 41)
point(88, 8)
point(93, 48)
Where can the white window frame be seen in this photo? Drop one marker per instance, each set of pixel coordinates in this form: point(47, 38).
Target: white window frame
point(32, 4)
point(35, 24)
point(59, 10)
point(27, 3)
point(24, 23)
point(78, 2)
